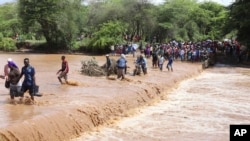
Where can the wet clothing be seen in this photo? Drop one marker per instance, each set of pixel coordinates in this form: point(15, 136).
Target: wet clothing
point(120, 73)
point(63, 75)
point(15, 90)
point(29, 81)
point(154, 59)
point(121, 63)
point(14, 75)
point(161, 61)
point(13, 78)
point(29, 73)
point(25, 88)
point(108, 63)
point(170, 62)
point(108, 66)
point(143, 63)
point(64, 71)
point(65, 67)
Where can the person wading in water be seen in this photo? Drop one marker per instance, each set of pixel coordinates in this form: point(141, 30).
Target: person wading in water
point(108, 65)
point(29, 81)
point(121, 65)
point(13, 78)
point(63, 71)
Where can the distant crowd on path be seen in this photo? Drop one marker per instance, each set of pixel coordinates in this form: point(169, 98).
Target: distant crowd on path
point(173, 50)
point(13, 75)
point(185, 51)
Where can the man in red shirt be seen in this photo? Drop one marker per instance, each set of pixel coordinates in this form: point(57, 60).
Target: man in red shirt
point(63, 71)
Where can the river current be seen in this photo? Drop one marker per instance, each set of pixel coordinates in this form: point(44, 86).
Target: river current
point(199, 109)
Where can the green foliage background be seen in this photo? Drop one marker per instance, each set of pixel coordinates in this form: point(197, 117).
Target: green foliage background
point(73, 25)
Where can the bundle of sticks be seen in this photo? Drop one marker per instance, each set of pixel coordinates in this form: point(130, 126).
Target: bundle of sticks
point(91, 68)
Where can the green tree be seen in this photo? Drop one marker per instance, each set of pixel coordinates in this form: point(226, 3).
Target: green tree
point(138, 14)
point(109, 33)
point(176, 20)
point(215, 19)
point(239, 19)
point(189, 20)
point(56, 18)
point(9, 21)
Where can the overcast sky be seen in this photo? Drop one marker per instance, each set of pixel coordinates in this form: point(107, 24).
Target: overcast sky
point(223, 2)
point(4, 1)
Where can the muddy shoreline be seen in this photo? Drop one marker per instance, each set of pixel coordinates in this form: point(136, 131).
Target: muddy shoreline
point(95, 102)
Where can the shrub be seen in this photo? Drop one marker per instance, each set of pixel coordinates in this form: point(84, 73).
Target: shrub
point(1, 37)
point(7, 44)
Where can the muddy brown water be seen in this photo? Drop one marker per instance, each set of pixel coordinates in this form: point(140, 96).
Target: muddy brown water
point(200, 109)
point(64, 112)
point(46, 66)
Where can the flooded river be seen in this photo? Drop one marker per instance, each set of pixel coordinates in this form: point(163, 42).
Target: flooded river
point(56, 97)
point(200, 109)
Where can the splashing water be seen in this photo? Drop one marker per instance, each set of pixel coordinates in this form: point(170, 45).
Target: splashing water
point(201, 108)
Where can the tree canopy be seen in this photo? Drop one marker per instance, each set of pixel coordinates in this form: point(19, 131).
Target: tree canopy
point(57, 19)
point(106, 22)
point(239, 19)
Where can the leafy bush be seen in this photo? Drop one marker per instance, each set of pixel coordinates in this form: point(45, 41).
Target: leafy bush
point(7, 44)
point(1, 37)
point(109, 33)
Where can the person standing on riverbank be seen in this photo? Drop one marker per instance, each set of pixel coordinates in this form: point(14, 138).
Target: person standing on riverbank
point(63, 71)
point(29, 81)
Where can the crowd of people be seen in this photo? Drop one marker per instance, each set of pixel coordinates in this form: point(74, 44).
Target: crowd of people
point(187, 51)
point(158, 53)
point(173, 50)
